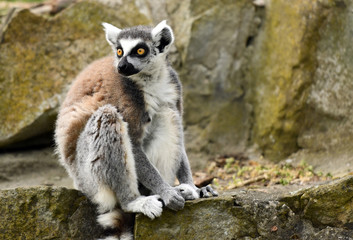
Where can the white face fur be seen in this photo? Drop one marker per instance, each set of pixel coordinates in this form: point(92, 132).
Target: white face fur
point(138, 49)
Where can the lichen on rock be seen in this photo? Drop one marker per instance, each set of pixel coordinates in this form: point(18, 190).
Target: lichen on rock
point(283, 68)
point(330, 204)
point(46, 213)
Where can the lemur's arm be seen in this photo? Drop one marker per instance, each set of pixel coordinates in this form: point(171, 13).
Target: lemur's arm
point(149, 176)
point(184, 173)
point(187, 186)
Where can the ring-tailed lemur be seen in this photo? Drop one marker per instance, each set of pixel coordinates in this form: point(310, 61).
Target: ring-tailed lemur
point(119, 131)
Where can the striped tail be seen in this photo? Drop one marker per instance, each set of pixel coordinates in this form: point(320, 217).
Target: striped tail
point(117, 225)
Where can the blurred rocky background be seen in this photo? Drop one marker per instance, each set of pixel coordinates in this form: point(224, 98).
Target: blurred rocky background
point(271, 79)
point(263, 80)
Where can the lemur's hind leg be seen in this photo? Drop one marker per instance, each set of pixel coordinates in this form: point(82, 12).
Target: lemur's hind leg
point(107, 169)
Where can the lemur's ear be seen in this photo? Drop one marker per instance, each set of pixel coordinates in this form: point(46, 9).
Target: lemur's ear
point(111, 33)
point(162, 36)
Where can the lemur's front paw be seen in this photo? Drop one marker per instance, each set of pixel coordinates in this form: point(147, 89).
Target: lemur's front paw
point(205, 192)
point(188, 192)
point(173, 199)
point(150, 206)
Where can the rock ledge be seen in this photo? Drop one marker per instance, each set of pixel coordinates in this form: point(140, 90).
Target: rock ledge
point(314, 212)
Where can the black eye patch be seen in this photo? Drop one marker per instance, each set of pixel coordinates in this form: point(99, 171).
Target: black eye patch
point(136, 51)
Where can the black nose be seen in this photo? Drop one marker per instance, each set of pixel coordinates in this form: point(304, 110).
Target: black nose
point(122, 67)
point(125, 68)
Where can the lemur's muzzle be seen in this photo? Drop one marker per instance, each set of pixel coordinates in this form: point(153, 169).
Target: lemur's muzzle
point(125, 68)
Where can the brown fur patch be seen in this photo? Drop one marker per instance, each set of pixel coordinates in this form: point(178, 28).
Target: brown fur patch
point(95, 86)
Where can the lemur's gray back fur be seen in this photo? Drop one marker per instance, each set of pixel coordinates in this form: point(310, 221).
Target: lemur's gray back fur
point(119, 131)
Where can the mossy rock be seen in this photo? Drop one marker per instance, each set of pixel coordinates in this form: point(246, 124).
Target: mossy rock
point(41, 56)
point(282, 72)
point(268, 213)
point(201, 219)
point(46, 213)
point(324, 212)
point(330, 204)
point(327, 130)
point(206, 219)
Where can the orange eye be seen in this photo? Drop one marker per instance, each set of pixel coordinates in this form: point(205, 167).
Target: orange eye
point(120, 52)
point(140, 51)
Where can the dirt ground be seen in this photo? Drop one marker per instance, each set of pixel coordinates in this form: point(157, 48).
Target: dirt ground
point(32, 168)
point(41, 167)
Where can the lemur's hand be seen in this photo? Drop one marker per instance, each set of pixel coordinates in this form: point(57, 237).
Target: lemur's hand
point(205, 192)
point(173, 199)
point(188, 192)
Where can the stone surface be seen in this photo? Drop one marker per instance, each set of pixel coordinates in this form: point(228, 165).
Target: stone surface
point(327, 131)
point(330, 204)
point(46, 213)
point(283, 65)
point(41, 56)
point(332, 90)
point(300, 83)
point(277, 212)
point(212, 58)
point(210, 40)
point(268, 213)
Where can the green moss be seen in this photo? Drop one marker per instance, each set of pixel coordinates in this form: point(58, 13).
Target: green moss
point(45, 213)
point(283, 73)
point(330, 204)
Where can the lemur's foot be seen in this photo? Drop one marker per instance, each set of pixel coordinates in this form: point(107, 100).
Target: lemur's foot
point(188, 192)
point(191, 192)
point(150, 206)
point(207, 191)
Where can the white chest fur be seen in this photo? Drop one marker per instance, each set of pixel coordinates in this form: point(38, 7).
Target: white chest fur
point(159, 93)
point(162, 144)
point(162, 136)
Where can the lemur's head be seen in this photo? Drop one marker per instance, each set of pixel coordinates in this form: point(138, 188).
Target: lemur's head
point(137, 49)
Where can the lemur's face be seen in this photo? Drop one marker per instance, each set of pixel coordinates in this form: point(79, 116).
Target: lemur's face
point(138, 49)
point(133, 55)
